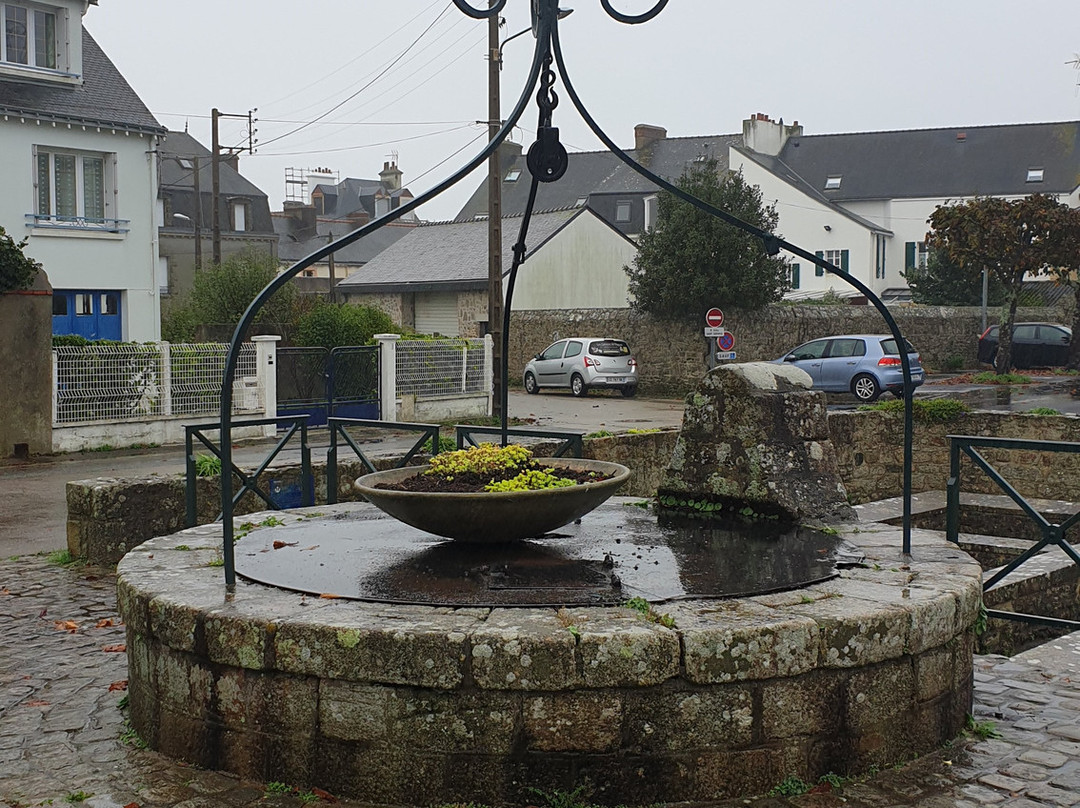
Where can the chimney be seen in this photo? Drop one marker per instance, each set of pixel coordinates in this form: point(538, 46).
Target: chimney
point(303, 218)
point(646, 134)
point(765, 136)
point(319, 176)
point(391, 176)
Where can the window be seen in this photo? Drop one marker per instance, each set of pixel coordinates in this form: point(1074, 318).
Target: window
point(572, 349)
point(832, 183)
point(793, 275)
point(513, 175)
point(847, 347)
point(554, 351)
point(838, 258)
point(71, 188)
point(1035, 175)
point(84, 304)
point(622, 211)
point(879, 256)
point(651, 210)
point(916, 254)
point(59, 305)
point(29, 36)
point(240, 215)
point(811, 350)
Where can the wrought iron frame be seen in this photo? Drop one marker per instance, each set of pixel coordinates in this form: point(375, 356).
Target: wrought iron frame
point(1052, 535)
point(338, 430)
point(547, 160)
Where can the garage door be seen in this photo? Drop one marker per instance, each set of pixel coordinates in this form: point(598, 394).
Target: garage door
point(436, 313)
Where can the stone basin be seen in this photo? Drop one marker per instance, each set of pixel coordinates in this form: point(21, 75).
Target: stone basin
point(493, 516)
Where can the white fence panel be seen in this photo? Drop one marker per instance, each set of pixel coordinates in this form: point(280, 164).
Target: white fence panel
point(439, 368)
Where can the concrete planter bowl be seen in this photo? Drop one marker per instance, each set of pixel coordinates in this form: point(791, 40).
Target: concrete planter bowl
point(491, 517)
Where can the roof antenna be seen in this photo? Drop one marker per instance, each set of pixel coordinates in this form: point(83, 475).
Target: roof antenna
point(185, 125)
point(1076, 64)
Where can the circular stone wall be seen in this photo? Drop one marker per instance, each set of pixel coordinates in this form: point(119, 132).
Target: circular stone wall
point(421, 705)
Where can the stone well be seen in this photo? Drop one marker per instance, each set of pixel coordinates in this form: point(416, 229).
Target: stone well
point(420, 705)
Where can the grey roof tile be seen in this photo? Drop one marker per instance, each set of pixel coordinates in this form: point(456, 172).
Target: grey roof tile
point(179, 146)
point(449, 255)
point(291, 248)
point(103, 99)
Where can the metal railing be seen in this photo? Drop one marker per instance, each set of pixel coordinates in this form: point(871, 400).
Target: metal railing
point(572, 444)
point(248, 482)
point(134, 381)
point(430, 368)
point(1052, 534)
point(338, 430)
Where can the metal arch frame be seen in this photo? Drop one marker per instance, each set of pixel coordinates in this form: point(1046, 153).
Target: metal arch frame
point(545, 28)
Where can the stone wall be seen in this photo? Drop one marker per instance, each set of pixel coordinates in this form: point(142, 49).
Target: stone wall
point(26, 358)
point(672, 353)
point(870, 452)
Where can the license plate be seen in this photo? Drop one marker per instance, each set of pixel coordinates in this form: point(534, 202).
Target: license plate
point(615, 380)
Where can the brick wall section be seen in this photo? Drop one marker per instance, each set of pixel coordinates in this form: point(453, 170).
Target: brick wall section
point(672, 353)
point(869, 450)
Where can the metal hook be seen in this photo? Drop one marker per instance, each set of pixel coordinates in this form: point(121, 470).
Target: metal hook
point(633, 19)
point(481, 14)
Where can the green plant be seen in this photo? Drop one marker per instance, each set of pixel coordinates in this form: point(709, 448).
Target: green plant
point(1043, 411)
point(645, 609)
point(834, 780)
point(561, 799)
point(64, 558)
point(989, 377)
point(278, 788)
point(17, 269)
point(925, 411)
point(330, 325)
point(446, 444)
point(980, 620)
point(789, 787)
point(642, 431)
point(984, 730)
point(124, 701)
point(77, 796)
point(217, 562)
point(182, 547)
point(130, 737)
point(600, 433)
point(953, 363)
point(207, 465)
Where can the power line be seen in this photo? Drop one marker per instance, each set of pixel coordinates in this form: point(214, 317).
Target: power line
point(366, 145)
point(364, 87)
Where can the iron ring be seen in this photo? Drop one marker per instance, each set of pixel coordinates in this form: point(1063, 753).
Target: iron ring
point(478, 14)
point(633, 19)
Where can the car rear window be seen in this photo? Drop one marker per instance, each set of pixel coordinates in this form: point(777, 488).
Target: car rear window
point(609, 347)
point(888, 347)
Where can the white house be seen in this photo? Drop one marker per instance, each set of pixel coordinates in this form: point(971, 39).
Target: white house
point(79, 166)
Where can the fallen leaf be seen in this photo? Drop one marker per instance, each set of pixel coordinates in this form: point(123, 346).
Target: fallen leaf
point(119, 684)
point(328, 596)
point(325, 796)
point(111, 649)
point(104, 622)
point(279, 544)
point(132, 805)
point(37, 703)
point(70, 626)
point(5, 591)
point(312, 547)
point(42, 612)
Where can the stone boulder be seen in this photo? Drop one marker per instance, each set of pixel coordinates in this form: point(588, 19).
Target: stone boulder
point(756, 435)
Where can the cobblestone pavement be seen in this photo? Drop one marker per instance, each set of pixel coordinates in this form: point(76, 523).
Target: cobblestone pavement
point(63, 734)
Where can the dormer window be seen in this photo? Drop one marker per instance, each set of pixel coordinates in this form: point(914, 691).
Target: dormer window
point(832, 183)
point(1035, 175)
point(29, 36)
point(513, 174)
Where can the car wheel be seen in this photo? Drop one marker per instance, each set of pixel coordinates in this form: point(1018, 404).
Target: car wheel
point(531, 387)
point(577, 385)
point(865, 388)
point(629, 391)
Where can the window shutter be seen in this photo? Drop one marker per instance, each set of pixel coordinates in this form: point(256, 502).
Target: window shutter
point(818, 271)
point(794, 276)
point(909, 256)
point(844, 260)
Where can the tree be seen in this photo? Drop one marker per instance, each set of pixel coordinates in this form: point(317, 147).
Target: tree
point(221, 295)
point(17, 269)
point(1013, 239)
point(944, 283)
point(691, 260)
point(1068, 273)
point(330, 325)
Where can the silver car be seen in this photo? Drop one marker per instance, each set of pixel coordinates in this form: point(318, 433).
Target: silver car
point(862, 364)
point(581, 363)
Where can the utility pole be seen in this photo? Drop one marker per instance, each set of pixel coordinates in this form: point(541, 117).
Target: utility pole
point(197, 219)
point(495, 292)
point(215, 168)
point(333, 272)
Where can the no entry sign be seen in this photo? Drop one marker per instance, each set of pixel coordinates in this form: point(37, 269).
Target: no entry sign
point(714, 318)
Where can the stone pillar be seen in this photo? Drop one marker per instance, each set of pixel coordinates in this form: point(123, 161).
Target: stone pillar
point(387, 376)
point(756, 435)
point(28, 394)
point(266, 377)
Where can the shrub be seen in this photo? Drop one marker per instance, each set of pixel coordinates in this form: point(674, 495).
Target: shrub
point(17, 269)
point(330, 325)
point(926, 411)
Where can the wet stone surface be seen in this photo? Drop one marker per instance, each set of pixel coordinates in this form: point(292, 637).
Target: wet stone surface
point(62, 730)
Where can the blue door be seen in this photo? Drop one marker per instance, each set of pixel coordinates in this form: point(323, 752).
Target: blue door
point(94, 315)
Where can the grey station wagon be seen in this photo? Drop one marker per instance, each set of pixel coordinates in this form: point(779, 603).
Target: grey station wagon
point(581, 363)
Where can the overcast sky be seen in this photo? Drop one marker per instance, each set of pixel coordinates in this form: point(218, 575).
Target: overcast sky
point(409, 77)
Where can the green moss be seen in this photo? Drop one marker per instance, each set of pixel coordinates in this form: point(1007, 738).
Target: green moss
point(348, 638)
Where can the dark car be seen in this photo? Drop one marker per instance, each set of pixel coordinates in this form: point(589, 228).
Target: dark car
point(861, 364)
point(1033, 345)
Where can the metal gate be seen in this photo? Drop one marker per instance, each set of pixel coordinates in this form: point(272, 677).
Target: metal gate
point(342, 383)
